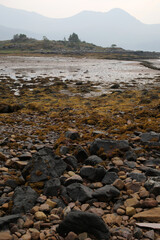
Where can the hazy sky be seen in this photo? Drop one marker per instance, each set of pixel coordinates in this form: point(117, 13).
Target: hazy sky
point(147, 11)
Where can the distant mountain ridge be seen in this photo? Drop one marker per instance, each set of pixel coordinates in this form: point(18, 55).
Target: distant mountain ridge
point(103, 29)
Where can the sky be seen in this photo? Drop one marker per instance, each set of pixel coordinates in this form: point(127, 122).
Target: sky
point(147, 11)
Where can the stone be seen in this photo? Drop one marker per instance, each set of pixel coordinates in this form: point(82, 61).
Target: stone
point(52, 187)
point(71, 236)
point(153, 185)
point(109, 178)
point(44, 164)
point(120, 211)
point(112, 219)
point(44, 207)
point(5, 235)
point(117, 161)
point(74, 179)
point(139, 177)
point(118, 183)
point(133, 186)
point(149, 234)
point(25, 156)
point(93, 160)
point(80, 154)
point(9, 218)
point(130, 211)
point(51, 203)
point(108, 146)
point(24, 199)
point(152, 172)
point(72, 134)
point(79, 192)
point(92, 174)
point(79, 222)
point(64, 150)
point(28, 223)
point(143, 193)
point(71, 161)
point(26, 236)
point(3, 157)
point(130, 156)
point(35, 234)
point(40, 216)
point(106, 193)
point(150, 137)
point(131, 202)
point(138, 233)
point(125, 233)
point(149, 203)
point(152, 215)
point(97, 211)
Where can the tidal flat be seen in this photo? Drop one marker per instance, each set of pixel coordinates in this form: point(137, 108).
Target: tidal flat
point(79, 134)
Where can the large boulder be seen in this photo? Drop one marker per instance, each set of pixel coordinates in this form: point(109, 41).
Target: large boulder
point(80, 222)
point(108, 146)
point(109, 178)
point(24, 198)
point(43, 165)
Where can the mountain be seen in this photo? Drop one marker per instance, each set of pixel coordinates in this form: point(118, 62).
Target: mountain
point(104, 29)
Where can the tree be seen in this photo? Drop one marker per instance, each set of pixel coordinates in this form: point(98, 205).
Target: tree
point(73, 38)
point(19, 38)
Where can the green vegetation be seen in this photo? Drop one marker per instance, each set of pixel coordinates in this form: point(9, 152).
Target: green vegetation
point(21, 44)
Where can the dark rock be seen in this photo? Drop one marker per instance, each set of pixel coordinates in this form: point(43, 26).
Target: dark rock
point(64, 196)
point(74, 179)
point(153, 185)
point(92, 174)
point(108, 146)
point(81, 154)
point(130, 164)
point(93, 160)
point(24, 198)
point(106, 193)
point(4, 200)
point(79, 222)
point(122, 232)
point(71, 161)
point(152, 163)
point(44, 164)
point(139, 177)
point(130, 156)
point(150, 137)
point(115, 86)
point(152, 172)
point(79, 192)
point(5, 108)
point(9, 218)
point(138, 233)
point(72, 134)
point(149, 234)
point(52, 187)
point(109, 178)
point(64, 150)
point(25, 156)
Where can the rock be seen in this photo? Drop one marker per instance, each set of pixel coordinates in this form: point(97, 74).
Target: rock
point(108, 146)
point(9, 218)
point(2, 157)
point(138, 233)
point(149, 203)
point(44, 164)
point(130, 211)
point(152, 215)
point(71, 236)
point(112, 219)
point(150, 137)
point(118, 183)
point(79, 192)
point(24, 198)
point(52, 187)
point(130, 156)
point(133, 186)
point(51, 203)
point(26, 236)
point(5, 235)
point(131, 202)
point(139, 177)
point(25, 156)
point(72, 134)
point(93, 160)
point(71, 161)
point(106, 193)
point(97, 211)
point(35, 234)
point(120, 211)
point(74, 179)
point(40, 216)
point(80, 222)
point(28, 223)
point(109, 178)
point(92, 174)
point(153, 185)
point(80, 154)
point(149, 234)
point(64, 150)
point(143, 193)
point(117, 161)
point(152, 172)
point(125, 233)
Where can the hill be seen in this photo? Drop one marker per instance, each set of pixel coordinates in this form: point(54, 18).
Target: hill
point(104, 29)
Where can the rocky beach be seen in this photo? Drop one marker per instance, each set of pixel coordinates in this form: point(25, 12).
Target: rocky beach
point(79, 149)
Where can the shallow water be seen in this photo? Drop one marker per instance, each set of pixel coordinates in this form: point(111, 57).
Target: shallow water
point(105, 72)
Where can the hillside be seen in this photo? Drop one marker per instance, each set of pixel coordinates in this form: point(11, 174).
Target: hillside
point(103, 29)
